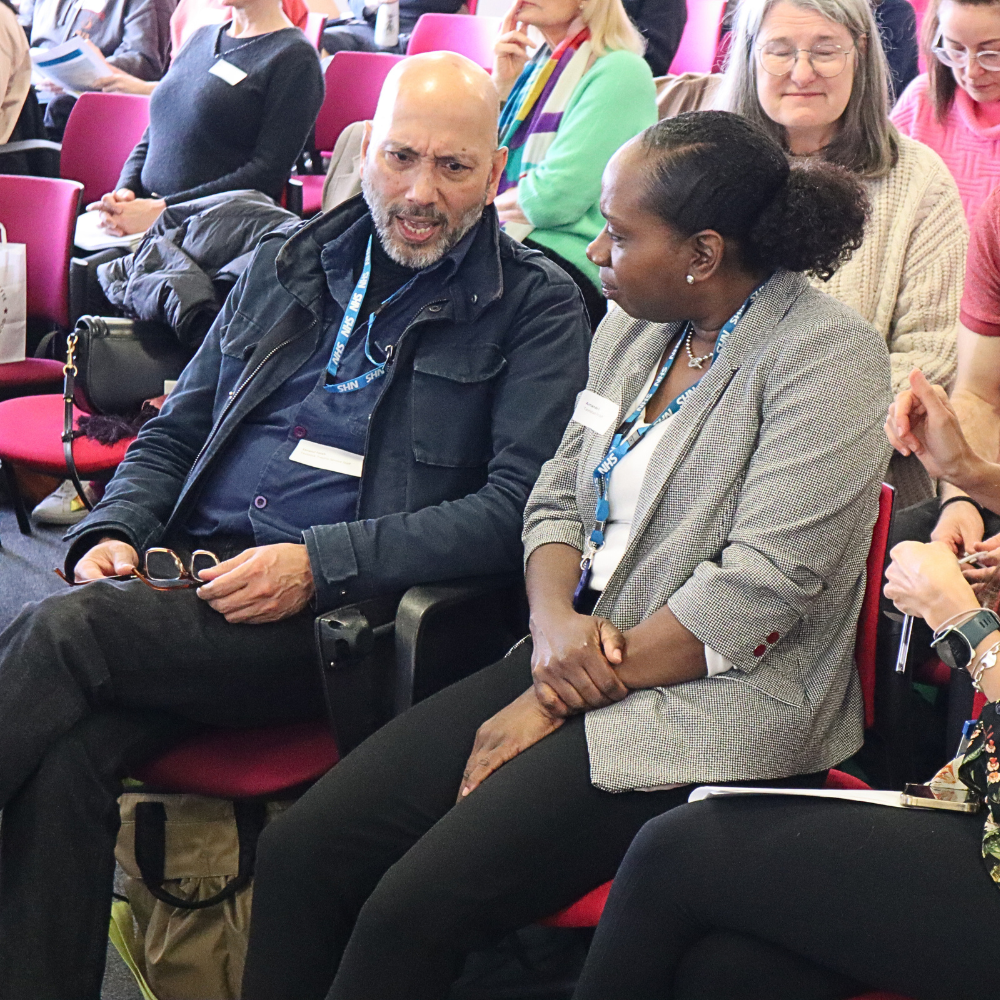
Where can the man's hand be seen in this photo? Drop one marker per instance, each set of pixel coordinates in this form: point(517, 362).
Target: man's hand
point(960, 527)
point(511, 731)
point(109, 558)
point(925, 580)
point(510, 51)
point(263, 584)
point(573, 663)
point(922, 422)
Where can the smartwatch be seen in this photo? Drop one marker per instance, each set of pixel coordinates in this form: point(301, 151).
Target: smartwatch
point(957, 644)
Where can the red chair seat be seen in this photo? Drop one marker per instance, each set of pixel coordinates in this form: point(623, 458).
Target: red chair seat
point(245, 763)
point(586, 912)
point(31, 371)
point(312, 193)
point(882, 996)
point(31, 435)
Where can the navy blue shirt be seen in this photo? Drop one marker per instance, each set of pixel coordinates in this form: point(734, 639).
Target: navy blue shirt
point(255, 489)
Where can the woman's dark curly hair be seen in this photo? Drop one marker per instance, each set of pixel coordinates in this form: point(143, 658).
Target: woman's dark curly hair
point(717, 170)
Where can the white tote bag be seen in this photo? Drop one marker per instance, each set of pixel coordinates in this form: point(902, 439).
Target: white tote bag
point(13, 299)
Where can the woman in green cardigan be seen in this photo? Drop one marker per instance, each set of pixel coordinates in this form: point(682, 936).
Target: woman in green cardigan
point(567, 109)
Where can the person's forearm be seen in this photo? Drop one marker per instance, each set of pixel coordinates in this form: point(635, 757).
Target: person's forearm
point(980, 480)
point(980, 421)
point(550, 579)
point(660, 651)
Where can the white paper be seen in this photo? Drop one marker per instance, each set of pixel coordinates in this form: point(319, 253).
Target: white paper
point(74, 65)
point(322, 456)
point(13, 299)
point(872, 797)
point(594, 411)
point(90, 236)
point(94, 6)
point(228, 72)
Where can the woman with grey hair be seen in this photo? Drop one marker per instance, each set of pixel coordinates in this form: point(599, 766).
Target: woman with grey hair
point(813, 74)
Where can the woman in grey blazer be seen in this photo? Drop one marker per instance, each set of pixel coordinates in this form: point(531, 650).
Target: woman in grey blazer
point(733, 547)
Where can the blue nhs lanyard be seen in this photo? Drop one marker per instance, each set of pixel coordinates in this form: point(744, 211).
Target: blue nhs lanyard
point(629, 436)
point(347, 328)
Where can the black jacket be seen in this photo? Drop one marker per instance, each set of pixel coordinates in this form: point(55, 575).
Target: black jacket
point(190, 259)
point(478, 395)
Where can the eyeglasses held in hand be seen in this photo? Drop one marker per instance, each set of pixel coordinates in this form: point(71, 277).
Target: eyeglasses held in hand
point(826, 58)
point(956, 57)
point(164, 570)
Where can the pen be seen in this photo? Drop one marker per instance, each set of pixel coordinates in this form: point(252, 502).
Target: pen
point(904, 644)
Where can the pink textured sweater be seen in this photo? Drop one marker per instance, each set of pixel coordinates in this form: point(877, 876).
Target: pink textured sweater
point(968, 140)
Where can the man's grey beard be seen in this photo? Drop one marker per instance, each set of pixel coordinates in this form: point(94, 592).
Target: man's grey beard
point(400, 251)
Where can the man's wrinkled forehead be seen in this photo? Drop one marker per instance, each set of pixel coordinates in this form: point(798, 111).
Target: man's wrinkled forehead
point(437, 109)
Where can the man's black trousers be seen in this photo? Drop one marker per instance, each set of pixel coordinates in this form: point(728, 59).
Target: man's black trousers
point(377, 884)
point(93, 682)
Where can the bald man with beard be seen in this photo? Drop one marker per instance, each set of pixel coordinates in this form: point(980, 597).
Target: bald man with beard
point(369, 412)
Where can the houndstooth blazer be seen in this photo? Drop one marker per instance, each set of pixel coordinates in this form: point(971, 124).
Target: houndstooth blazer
point(753, 524)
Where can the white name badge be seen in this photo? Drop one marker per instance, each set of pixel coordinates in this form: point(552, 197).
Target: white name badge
point(595, 411)
point(94, 6)
point(322, 456)
point(228, 72)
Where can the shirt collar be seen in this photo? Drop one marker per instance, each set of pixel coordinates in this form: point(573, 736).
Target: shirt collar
point(341, 260)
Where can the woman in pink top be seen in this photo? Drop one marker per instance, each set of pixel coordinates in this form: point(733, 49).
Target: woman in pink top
point(955, 107)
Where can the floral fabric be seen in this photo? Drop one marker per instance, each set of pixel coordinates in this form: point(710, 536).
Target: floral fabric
point(979, 769)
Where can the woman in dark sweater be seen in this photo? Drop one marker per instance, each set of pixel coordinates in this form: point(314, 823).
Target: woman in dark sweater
point(233, 111)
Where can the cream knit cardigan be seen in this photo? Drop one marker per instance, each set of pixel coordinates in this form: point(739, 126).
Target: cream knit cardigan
point(906, 278)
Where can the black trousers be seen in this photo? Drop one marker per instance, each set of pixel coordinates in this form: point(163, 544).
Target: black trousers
point(93, 682)
point(791, 900)
point(376, 884)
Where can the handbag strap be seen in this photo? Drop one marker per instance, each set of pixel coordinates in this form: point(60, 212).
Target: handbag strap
point(69, 435)
point(151, 851)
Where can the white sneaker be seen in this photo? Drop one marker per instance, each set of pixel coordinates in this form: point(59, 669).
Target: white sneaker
point(62, 506)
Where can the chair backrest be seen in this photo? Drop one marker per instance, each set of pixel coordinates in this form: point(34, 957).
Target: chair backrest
point(41, 213)
point(315, 22)
point(353, 82)
point(101, 132)
point(471, 36)
point(471, 5)
point(696, 51)
point(865, 648)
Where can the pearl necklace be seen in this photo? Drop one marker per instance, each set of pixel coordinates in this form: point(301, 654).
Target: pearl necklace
point(694, 362)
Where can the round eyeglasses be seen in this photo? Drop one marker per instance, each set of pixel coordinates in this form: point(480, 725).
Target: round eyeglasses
point(827, 59)
point(165, 570)
point(959, 58)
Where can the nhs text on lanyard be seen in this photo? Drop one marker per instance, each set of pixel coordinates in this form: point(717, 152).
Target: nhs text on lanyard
point(347, 328)
point(630, 435)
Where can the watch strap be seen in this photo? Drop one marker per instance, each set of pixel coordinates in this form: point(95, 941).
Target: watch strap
point(977, 628)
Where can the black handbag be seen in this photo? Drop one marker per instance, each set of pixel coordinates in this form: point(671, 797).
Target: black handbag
point(112, 365)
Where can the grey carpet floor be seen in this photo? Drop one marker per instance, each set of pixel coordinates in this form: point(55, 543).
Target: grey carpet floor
point(26, 565)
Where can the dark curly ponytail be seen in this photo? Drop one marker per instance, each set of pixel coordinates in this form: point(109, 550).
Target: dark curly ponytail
point(716, 170)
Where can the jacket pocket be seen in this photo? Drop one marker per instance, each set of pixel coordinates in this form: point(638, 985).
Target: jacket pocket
point(452, 403)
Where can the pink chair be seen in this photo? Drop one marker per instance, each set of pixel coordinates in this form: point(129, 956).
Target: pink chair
point(41, 213)
point(696, 52)
point(353, 83)
point(314, 28)
point(101, 132)
point(471, 36)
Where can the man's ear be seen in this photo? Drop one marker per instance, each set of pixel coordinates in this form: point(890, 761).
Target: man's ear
point(496, 173)
point(366, 141)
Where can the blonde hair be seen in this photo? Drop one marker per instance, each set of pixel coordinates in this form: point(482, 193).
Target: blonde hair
point(866, 142)
point(610, 27)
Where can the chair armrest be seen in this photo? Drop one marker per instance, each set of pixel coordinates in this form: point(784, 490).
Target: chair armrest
point(416, 608)
point(86, 297)
point(293, 196)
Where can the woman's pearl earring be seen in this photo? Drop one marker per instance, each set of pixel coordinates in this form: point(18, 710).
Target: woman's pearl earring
point(690, 279)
